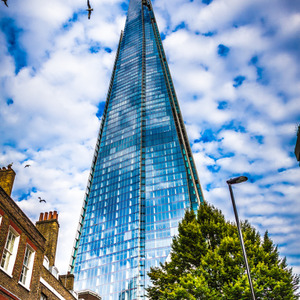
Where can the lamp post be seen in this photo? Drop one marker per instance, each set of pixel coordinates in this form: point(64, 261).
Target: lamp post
point(230, 182)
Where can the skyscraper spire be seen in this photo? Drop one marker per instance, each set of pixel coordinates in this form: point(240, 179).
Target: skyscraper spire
point(143, 176)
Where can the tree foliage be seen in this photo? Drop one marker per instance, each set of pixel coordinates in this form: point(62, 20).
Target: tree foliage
point(206, 262)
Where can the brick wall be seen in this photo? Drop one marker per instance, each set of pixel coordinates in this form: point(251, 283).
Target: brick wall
point(41, 238)
point(52, 283)
point(28, 235)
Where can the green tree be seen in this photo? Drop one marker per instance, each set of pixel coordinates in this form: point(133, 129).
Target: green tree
point(206, 262)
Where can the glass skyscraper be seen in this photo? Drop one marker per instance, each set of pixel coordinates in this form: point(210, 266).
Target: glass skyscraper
point(143, 176)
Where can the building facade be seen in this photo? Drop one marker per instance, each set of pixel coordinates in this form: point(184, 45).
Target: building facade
point(27, 252)
point(143, 175)
point(297, 147)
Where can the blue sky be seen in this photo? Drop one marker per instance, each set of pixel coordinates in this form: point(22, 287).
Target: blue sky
point(235, 66)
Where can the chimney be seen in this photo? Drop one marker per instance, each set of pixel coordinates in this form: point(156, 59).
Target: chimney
point(67, 281)
point(48, 226)
point(88, 295)
point(7, 177)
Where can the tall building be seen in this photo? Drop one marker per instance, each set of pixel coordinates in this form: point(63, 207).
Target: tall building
point(143, 176)
point(297, 147)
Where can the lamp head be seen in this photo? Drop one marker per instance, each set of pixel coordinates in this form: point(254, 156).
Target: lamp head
point(237, 180)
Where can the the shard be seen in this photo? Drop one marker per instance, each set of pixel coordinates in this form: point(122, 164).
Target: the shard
point(143, 176)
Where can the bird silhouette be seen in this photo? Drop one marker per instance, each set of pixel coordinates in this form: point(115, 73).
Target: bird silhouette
point(90, 9)
point(42, 200)
point(27, 166)
point(5, 2)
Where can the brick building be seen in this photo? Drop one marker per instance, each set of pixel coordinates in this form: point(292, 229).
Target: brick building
point(27, 253)
point(88, 295)
point(22, 247)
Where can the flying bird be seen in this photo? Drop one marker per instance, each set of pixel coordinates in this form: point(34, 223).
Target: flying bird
point(5, 2)
point(27, 166)
point(42, 200)
point(90, 9)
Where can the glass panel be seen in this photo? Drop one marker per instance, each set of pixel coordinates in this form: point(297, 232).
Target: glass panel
point(8, 250)
point(24, 278)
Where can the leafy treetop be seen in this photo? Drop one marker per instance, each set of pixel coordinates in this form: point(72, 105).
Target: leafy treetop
point(206, 262)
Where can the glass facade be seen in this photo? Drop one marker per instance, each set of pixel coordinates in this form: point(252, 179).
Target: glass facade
point(143, 175)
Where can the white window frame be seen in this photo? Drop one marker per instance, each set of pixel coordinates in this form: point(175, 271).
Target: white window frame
point(10, 251)
point(27, 267)
point(46, 262)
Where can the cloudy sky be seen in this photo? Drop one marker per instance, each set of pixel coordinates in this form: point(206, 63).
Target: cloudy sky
point(235, 66)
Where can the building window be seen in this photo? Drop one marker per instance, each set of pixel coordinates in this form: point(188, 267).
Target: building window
point(46, 262)
point(43, 297)
point(10, 251)
point(27, 266)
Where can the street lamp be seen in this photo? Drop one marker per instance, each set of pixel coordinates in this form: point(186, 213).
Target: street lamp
point(230, 182)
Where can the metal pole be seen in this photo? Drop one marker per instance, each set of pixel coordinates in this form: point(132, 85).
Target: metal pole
point(241, 241)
